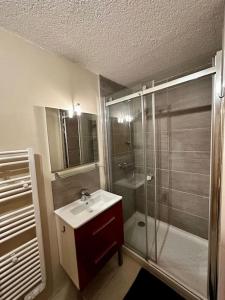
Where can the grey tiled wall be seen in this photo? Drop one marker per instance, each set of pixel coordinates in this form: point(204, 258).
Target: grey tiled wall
point(183, 120)
point(67, 190)
point(121, 150)
point(109, 87)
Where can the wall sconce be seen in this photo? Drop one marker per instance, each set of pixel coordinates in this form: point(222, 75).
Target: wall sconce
point(70, 113)
point(76, 110)
point(120, 120)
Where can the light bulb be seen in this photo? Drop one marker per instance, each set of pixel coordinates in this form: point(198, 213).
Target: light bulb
point(70, 113)
point(120, 120)
point(128, 118)
point(77, 109)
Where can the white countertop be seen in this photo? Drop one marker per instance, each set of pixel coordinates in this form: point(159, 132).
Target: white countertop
point(79, 212)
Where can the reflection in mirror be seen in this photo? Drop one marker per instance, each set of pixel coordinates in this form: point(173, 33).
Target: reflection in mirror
point(72, 140)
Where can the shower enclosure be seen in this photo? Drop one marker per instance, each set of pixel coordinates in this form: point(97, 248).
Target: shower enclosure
point(163, 152)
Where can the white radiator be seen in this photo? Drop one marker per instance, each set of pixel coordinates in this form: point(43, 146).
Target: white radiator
point(22, 269)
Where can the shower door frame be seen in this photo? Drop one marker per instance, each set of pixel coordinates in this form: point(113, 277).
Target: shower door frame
point(215, 168)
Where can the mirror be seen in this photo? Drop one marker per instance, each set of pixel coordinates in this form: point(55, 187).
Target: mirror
point(72, 140)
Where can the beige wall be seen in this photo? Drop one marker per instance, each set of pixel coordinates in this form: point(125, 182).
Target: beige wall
point(30, 79)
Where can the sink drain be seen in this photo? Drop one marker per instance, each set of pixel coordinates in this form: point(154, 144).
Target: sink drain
point(141, 224)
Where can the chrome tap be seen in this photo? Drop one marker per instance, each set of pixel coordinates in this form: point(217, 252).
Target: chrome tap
point(85, 195)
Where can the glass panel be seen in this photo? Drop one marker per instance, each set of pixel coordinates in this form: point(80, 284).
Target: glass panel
point(127, 163)
point(183, 136)
point(151, 178)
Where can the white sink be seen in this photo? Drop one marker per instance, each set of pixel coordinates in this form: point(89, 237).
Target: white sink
point(79, 212)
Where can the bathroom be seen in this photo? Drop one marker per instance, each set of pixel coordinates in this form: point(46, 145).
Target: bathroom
point(112, 150)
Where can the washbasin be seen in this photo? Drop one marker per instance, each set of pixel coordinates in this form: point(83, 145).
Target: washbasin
point(79, 212)
point(90, 205)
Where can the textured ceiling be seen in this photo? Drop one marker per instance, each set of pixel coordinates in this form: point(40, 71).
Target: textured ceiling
point(125, 41)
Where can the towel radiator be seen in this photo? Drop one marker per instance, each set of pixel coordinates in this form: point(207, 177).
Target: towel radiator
point(22, 266)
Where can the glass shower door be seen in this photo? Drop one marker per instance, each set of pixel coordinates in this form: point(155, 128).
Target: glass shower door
point(151, 176)
point(160, 151)
point(127, 143)
point(180, 191)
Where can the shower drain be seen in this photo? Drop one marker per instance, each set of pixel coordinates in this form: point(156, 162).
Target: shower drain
point(141, 224)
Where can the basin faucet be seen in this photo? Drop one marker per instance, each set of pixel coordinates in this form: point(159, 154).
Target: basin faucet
point(85, 195)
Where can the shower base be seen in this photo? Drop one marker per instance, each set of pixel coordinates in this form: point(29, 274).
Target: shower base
point(181, 254)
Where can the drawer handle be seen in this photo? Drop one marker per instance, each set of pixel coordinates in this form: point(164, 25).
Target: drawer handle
point(103, 226)
point(100, 257)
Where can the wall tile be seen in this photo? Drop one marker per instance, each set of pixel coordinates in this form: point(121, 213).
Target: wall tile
point(138, 157)
point(161, 141)
point(182, 220)
point(108, 87)
point(140, 199)
point(195, 162)
point(177, 217)
point(137, 126)
point(190, 183)
point(191, 119)
point(128, 200)
point(162, 177)
point(161, 122)
point(190, 203)
point(67, 190)
point(120, 144)
point(119, 128)
point(192, 94)
point(137, 140)
point(190, 140)
point(117, 172)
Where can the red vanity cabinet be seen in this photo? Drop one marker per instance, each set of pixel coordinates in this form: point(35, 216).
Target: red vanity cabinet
point(94, 244)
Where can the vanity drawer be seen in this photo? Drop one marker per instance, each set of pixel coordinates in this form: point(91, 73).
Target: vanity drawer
point(101, 228)
point(98, 240)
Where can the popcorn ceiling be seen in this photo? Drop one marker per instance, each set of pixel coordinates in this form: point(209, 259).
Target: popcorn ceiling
point(125, 41)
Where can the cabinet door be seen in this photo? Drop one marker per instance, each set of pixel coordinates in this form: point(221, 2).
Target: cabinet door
point(67, 250)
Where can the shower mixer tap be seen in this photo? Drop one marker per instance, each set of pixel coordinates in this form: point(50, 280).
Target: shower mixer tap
point(122, 165)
